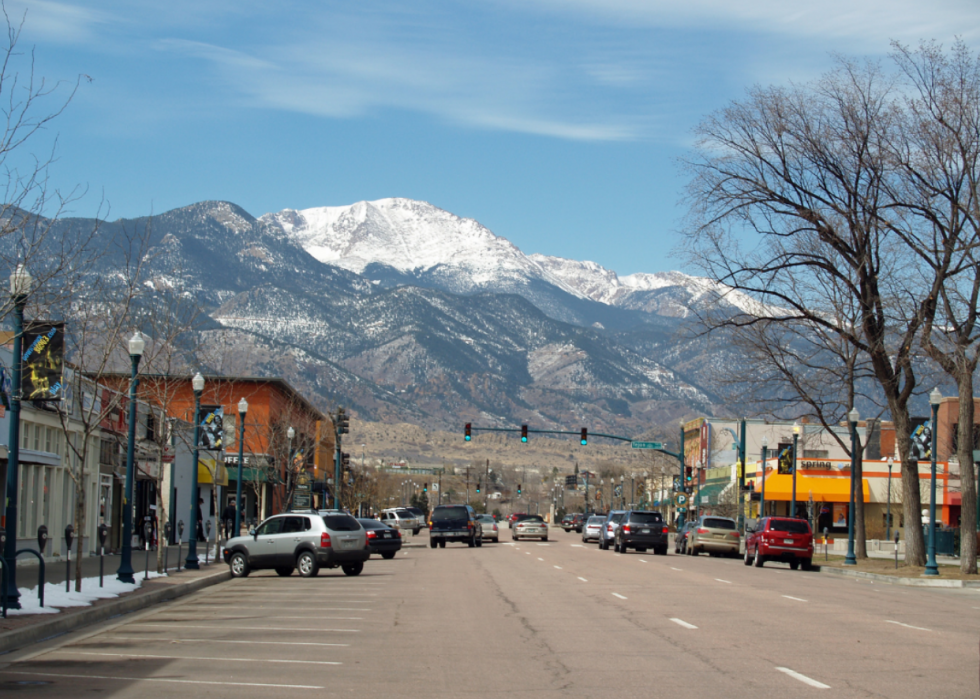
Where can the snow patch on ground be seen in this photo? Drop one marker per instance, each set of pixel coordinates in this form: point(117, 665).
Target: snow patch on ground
point(56, 599)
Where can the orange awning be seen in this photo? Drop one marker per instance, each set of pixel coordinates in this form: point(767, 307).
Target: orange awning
point(780, 486)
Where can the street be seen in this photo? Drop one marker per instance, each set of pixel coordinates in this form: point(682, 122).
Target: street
point(553, 619)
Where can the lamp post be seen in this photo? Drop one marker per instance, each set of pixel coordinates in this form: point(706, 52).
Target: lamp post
point(242, 411)
point(125, 570)
point(762, 497)
point(683, 483)
point(290, 433)
point(622, 491)
point(20, 287)
point(888, 515)
point(935, 398)
point(852, 418)
point(197, 384)
point(797, 428)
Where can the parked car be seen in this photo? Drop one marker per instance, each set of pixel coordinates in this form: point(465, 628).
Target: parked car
point(489, 529)
point(641, 530)
point(717, 536)
point(680, 541)
point(593, 528)
point(454, 523)
point(300, 541)
point(402, 518)
point(381, 538)
point(784, 539)
point(532, 526)
point(608, 533)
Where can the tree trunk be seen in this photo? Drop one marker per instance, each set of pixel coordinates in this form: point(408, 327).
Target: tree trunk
point(161, 522)
point(968, 489)
point(79, 528)
point(915, 549)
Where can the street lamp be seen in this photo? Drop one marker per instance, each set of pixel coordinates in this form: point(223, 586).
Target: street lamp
point(125, 571)
point(888, 516)
point(797, 428)
point(680, 515)
point(242, 410)
point(622, 492)
point(197, 384)
point(852, 417)
point(935, 398)
point(290, 433)
point(20, 287)
point(762, 497)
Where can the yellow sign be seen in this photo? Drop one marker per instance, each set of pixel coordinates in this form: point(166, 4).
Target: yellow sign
point(206, 471)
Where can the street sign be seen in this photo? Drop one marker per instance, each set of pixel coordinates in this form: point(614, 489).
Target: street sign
point(680, 499)
point(647, 445)
point(571, 481)
point(682, 509)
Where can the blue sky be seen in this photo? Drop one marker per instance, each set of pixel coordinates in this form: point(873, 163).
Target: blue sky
point(556, 123)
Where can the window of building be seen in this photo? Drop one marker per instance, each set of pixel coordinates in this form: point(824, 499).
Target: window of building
point(816, 454)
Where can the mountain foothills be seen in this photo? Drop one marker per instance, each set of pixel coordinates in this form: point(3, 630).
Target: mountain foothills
point(404, 312)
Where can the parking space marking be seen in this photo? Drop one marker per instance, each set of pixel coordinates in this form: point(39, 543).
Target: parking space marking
point(908, 626)
point(803, 678)
point(211, 640)
point(672, 568)
point(727, 582)
point(240, 628)
point(642, 561)
point(558, 567)
point(199, 657)
point(583, 579)
point(122, 678)
point(541, 559)
point(616, 594)
point(797, 599)
point(681, 622)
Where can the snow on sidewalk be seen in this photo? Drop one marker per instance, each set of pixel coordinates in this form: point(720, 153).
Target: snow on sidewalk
point(55, 597)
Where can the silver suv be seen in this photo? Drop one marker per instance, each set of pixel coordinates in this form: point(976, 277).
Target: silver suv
point(302, 541)
point(402, 518)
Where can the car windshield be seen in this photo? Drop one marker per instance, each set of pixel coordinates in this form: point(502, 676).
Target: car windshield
point(596, 520)
point(373, 524)
point(450, 513)
point(616, 517)
point(533, 519)
point(790, 526)
point(646, 518)
point(485, 518)
point(405, 513)
point(718, 523)
point(341, 523)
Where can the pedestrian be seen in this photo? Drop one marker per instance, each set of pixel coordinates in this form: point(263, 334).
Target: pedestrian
point(200, 520)
point(228, 517)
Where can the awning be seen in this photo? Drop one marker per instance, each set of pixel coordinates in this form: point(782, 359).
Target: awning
point(209, 470)
point(780, 487)
point(709, 493)
point(249, 474)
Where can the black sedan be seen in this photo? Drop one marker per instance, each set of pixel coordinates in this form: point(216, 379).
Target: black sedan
point(381, 538)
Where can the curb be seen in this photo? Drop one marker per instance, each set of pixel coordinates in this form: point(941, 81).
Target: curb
point(911, 582)
point(49, 628)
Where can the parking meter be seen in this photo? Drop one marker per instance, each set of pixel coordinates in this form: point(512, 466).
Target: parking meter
point(42, 538)
point(180, 529)
point(3, 536)
point(148, 531)
point(166, 531)
point(103, 534)
point(896, 549)
point(207, 530)
point(69, 536)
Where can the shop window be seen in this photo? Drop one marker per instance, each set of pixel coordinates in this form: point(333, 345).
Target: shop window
point(816, 454)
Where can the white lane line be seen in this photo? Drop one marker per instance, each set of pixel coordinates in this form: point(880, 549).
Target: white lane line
point(240, 628)
point(681, 622)
point(917, 628)
point(727, 582)
point(577, 546)
point(231, 660)
point(544, 544)
point(583, 579)
point(616, 594)
point(528, 553)
point(796, 599)
point(212, 640)
point(642, 561)
point(541, 559)
point(122, 678)
point(290, 607)
point(557, 567)
point(803, 678)
point(672, 568)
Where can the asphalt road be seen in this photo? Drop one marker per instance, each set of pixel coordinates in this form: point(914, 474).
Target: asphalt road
point(532, 619)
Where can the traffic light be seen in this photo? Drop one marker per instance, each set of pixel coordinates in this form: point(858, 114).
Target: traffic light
point(585, 436)
point(523, 433)
point(344, 460)
point(478, 487)
point(343, 422)
point(468, 431)
point(689, 474)
point(518, 490)
point(425, 487)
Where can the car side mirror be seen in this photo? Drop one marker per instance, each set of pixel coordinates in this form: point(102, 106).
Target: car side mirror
point(253, 533)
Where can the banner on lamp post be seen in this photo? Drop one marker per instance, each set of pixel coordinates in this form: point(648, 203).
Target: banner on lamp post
point(43, 361)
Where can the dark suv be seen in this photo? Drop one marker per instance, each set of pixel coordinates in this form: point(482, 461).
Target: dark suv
point(782, 539)
point(454, 523)
point(641, 530)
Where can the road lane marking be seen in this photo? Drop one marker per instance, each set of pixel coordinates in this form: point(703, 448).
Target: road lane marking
point(727, 582)
point(797, 599)
point(212, 640)
point(583, 579)
point(122, 678)
point(541, 559)
point(543, 544)
point(672, 568)
point(241, 628)
point(616, 594)
point(642, 561)
point(908, 626)
point(578, 546)
point(681, 622)
point(231, 660)
point(558, 567)
point(803, 678)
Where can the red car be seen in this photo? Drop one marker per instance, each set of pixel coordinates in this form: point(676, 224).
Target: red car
point(783, 539)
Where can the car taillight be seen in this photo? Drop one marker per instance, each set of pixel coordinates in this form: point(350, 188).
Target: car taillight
point(609, 527)
point(735, 534)
point(702, 530)
point(398, 534)
point(665, 530)
point(371, 534)
point(495, 527)
point(626, 529)
point(469, 525)
point(324, 540)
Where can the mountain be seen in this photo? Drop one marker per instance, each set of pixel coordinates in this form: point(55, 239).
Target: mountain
point(402, 311)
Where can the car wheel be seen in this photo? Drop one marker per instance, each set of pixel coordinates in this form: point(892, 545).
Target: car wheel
point(759, 559)
point(663, 551)
point(433, 543)
point(794, 565)
point(239, 565)
point(442, 544)
point(471, 542)
point(479, 542)
point(388, 555)
point(307, 566)
point(748, 558)
point(353, 568)
point(544, 538)
point(284, 572)
point(807, 563)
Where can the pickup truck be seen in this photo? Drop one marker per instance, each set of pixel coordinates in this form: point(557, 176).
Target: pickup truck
point(454, 523)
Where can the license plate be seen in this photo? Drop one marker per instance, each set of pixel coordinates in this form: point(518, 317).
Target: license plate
point(386, 535)
point(787, 541)
point(348, 544)
point(644, 531)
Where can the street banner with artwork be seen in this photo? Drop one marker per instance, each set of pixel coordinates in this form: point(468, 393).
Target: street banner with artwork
point(211, 430)
point(921, 439)
point(785, 452)
point(43, 361)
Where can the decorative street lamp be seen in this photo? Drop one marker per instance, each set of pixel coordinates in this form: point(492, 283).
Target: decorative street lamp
point(197, 384)
point(125, 571)
point(683, 483)
point(622, 490)
point(20, 287)
point(762, 497)
point(852, 417)
point(290, 433)
point(242, 410)
point(935, 398)
point(888, 516)
point(797, 428)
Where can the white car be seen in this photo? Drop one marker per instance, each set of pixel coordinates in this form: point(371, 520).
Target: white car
point(532, 526)
point(592, 528)
point(402, 519)
point(490, 529)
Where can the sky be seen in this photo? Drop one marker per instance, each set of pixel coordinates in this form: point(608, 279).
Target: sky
point(560, 125)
